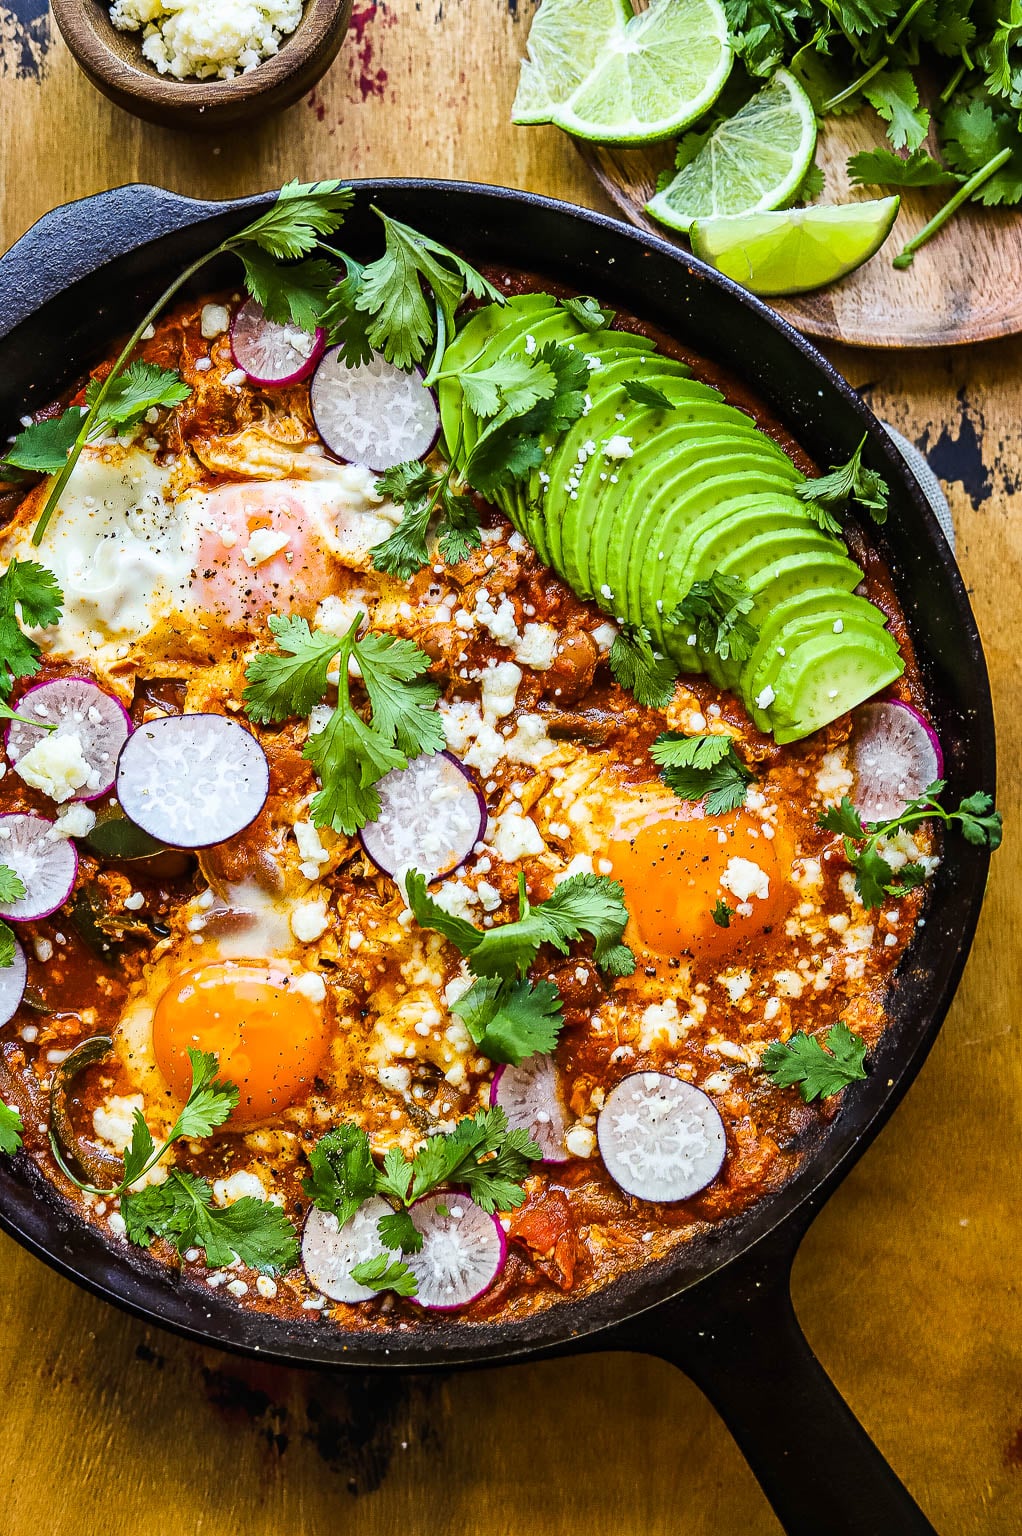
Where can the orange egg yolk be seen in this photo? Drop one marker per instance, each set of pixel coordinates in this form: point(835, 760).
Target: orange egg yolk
point(268, 1036)
point(675, 871)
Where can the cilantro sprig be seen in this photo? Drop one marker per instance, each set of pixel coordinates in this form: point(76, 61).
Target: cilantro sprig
point(11, 1129)
point(431, 508)
point(181, 1210)
point(481, 1155)
point(12, 888)
point(29, 595)
point(350, 753)
point(647, 674)
point(819, 1070)
point(715, 612)
point(705, 768)
point(845, 485)
point(875, 879)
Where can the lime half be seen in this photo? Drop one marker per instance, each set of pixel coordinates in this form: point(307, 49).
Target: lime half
point(565, 40)
point(751, 162)
point(798, 249)
point(653, 75)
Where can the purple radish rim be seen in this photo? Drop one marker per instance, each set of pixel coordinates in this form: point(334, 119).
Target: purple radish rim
point(441, 874)
point(374, 468)
point(9, 974)
point(543, 1162)
point(215, 842)
point(457, 1306)
point(35, 917)
point(922, 722)
point(81, 794)
point(307, 368)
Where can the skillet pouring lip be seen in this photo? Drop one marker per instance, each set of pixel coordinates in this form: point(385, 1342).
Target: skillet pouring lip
point(60, 320)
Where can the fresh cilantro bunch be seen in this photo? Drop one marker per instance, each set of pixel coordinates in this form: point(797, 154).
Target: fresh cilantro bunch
point(181, 1211)
point(845, 485)
point(715, 612)
point(517, 401)
point(509, 1017)
point(429, 503)
point(875, 880)
point(817, 1071)
point(703, 768)
point(481, 1155)
point(350, 754)
point(647, 674)
point(29, 595)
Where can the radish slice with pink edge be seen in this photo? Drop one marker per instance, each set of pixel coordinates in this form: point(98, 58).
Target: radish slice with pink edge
point(12, 984)
point(271, 353)
point(330, 1252)
point(463, 1251)
point(895, 755)
point(81, 712)
point(660, 1138)
point(530, 1097)
point(45, 862)
point(373, 413)
point(431, 817)
point(192, 780)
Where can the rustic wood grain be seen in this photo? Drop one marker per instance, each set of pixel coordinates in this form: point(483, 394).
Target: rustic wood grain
point(962, 287)
point(908, 1285)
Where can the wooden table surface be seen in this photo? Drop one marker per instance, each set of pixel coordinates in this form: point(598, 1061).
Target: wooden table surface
point(908, 1286)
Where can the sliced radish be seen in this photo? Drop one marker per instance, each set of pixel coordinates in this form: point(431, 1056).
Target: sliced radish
point(271, 353)
point(661, 1139)
point(78, 709)
point(895, 756)
point(530, 1097)
point(431, 817)
point(330, 1251)
point(373, 413)
point(463, 1251)
point(12, 984)
point(45, 862)
point(192, 780)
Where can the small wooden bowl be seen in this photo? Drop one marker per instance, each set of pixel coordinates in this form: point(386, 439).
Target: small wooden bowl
point(113, 61)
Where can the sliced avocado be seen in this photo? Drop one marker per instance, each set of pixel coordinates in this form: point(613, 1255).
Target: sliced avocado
point(479, 328)
point(836, 606)
point(761, 683)
point(829, 674)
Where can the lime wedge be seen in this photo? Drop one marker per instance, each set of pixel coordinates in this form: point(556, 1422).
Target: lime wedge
point(652, 74)
point(751, 162)
point(799, 249)
point(565, 40)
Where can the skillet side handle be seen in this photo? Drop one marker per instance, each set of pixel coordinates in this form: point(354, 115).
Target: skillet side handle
point(744, 1348)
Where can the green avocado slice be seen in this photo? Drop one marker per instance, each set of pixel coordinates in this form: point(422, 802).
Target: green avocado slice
point(828, 674)
point(834, 605)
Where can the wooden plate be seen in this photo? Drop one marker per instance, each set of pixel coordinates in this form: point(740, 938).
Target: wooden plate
point(964, 286)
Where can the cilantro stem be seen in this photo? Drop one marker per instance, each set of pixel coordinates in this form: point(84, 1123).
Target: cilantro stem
point(906, 255)
point(855, 87)
point(917, 5)
point(953, 84)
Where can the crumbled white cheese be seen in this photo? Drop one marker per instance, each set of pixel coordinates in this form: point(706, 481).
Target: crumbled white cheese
point(605, 635)
point(516, 837)
point(618, 447)
point(311, 985)
point(457, 898)
point(263, 544)
point(500, 681)
point(765, 698)
point(744, 879)
point(500, 621)
point(309, 920)
point(580, 1141)
point(214, 318)
point(662, 1024)
point(530, 742)
point(135, 902)
point(470, 737)
point(580, 864)
point(735, 983)
point(237, 1186)
point(74, 820)
point(56, 765)
point(112, 1121)
point(537, 647)
point(207, 39)
point(337, 614)
point(310, 845)
point(396, 1079)
point(834, 779)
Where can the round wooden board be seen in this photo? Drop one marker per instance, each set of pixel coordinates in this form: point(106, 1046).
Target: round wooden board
point(962, 287)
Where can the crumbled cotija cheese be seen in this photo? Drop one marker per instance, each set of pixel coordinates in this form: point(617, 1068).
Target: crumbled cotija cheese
point(204, 39)
point(56, 765)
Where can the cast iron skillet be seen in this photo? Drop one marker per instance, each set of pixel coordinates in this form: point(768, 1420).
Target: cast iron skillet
point(719, 1308)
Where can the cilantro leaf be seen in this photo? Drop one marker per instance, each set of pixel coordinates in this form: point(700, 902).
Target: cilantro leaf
point(181, 1210)
point(511, 445)
point(590, 316)
point(979, 822)
point(139, 1150)
point(385, 1274)
point(302, 213)
point(844, 819)
point(343, 1173)
point(481, 1154)
point(12, 887)
point(45, 445)
point(281, 686)
point(297, 293)
point(818, 1072)
point(645, 673)
point(843, 485)
point(406, 550)
point(134, 392)
point(715, 612)
point(345, 324)
point(508, 387)
point(973, 133)
point(210, 1099)
point(511, 1020)
point(425, 494)
point(7, 942)
point(398, 1230)
point(350, 758)
point(703, 768)
point(11, 1129)
point(883, 168)
point(647, 394)
point(34, 590)
point(722, 913)
point(895, 97)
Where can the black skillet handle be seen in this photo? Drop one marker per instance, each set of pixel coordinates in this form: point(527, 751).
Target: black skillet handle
point(738, 1338)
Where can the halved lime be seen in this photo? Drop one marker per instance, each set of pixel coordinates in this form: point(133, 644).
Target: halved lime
point(653, 74)
point(795, 250)
point(565, 40)
point(754, 161)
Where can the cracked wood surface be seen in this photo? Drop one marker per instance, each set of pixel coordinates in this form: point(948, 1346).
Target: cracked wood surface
point(907, 1286)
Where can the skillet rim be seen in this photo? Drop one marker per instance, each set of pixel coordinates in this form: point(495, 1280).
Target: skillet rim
point(49, 1227)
